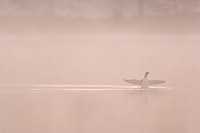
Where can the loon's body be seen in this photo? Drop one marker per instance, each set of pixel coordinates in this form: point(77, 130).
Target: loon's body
point(145, 83)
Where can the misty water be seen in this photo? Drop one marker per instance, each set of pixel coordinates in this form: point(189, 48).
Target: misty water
point(28, 61)
point(92, 111)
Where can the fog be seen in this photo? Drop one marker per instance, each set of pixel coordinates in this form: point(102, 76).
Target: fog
point(63, 65)
point(99, 60)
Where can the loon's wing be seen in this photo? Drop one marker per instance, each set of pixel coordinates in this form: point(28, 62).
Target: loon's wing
point(155, 82)
point(134, 81)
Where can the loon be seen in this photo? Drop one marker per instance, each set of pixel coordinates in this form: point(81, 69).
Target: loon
point(144, 83)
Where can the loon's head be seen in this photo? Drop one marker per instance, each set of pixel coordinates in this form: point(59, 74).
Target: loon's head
point(146, 74)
